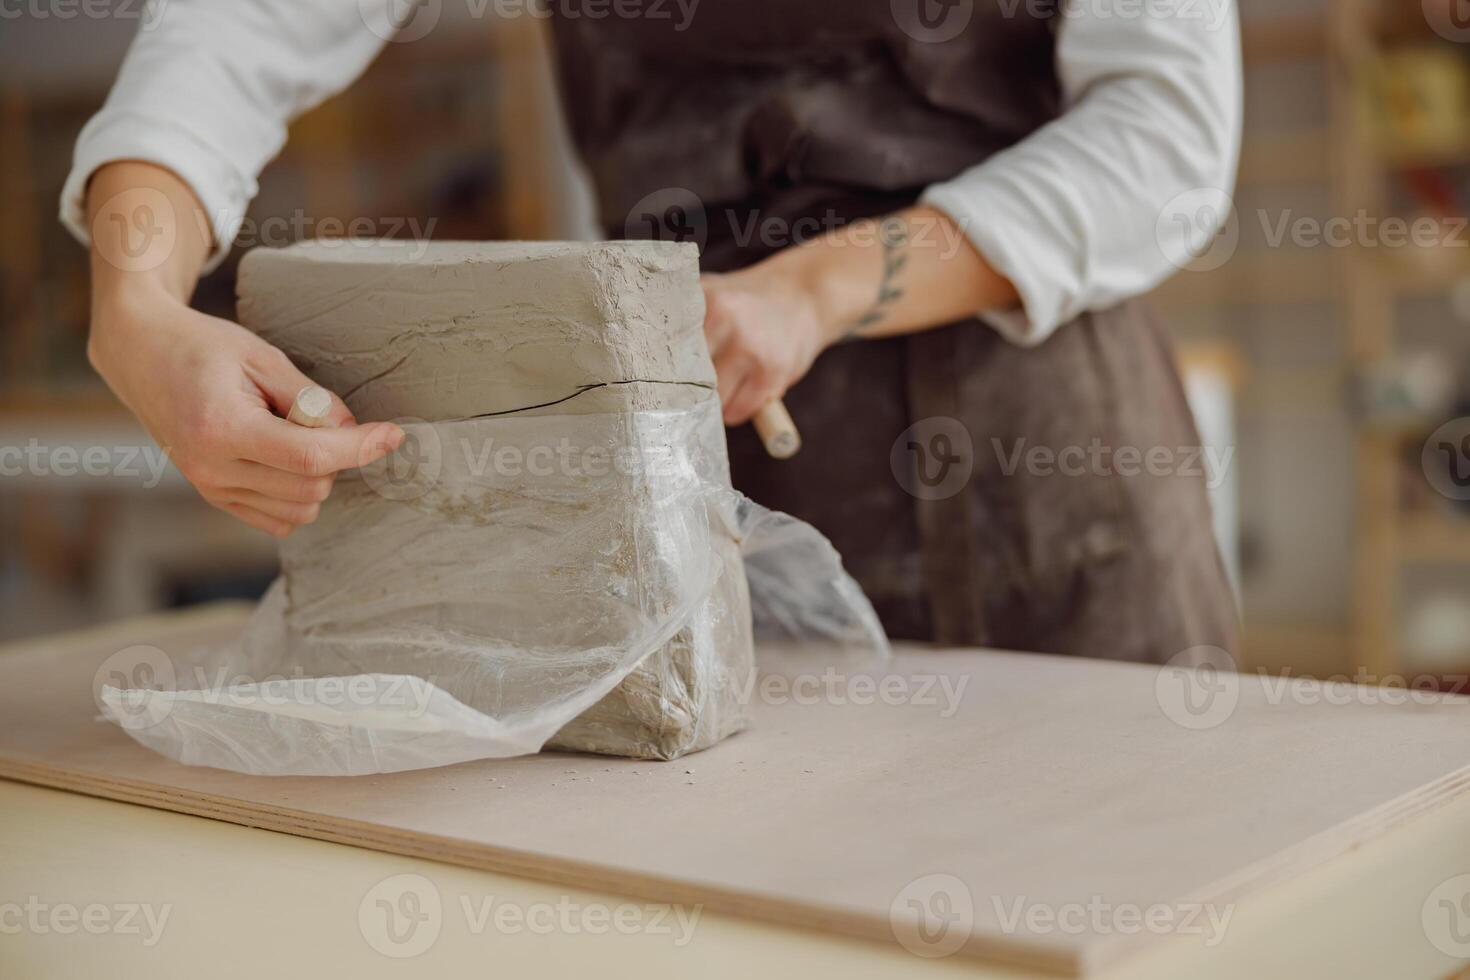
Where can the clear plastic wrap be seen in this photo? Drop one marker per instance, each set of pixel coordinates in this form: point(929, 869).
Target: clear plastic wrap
point(562, 581)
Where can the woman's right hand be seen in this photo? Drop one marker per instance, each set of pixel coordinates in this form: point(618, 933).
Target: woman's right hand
point(210, 392)
point(214, 395)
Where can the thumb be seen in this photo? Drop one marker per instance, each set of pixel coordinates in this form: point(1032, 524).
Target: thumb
point(318, 452)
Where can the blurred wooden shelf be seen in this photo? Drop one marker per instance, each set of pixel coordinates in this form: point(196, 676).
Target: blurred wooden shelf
point(1294, 158)
point(1443, 153)
point(1301, 275)
point(1434, 538)
point(1287, 38)
point(1215, 357)
point(82, 402)
point(1281, 276)
point(1302, 390)
point(1429, 275)
point(1319, 650)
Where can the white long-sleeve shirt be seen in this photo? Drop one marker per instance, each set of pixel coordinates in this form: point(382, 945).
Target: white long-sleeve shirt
point(1071, 215)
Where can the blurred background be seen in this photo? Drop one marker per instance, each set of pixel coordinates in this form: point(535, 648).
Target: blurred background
point(1323, 334)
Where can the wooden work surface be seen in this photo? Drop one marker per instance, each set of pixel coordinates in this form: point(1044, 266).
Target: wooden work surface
point(1056, 784)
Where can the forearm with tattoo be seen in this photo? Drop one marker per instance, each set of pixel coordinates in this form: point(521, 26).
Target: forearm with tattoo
point(910, 271)
point(893, 235)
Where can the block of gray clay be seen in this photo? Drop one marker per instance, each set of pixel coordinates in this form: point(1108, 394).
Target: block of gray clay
point(485, 347)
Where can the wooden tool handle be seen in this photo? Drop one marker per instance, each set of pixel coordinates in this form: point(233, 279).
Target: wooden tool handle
point(773, 424)
point(312, 406)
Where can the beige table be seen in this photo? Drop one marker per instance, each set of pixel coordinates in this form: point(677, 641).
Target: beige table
point(90, 887)
point(251, 903)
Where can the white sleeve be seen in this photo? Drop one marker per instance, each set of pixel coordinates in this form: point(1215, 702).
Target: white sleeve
point(1071, 215)
point(208, 88)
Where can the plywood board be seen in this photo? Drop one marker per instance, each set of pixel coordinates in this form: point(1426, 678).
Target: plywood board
point(1054, 784)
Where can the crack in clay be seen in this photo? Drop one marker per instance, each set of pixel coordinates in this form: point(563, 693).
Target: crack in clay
point(581, 390)
point(381, 374)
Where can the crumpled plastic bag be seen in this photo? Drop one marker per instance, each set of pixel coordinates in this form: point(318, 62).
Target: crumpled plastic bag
point(480, 603)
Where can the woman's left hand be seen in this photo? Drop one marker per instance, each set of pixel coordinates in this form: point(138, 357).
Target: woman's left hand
point(764, 332)
point(908, 271)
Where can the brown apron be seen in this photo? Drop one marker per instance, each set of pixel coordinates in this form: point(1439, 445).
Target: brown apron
point(756, 118)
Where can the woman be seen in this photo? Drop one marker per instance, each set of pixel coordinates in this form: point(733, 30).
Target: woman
point(991, 180)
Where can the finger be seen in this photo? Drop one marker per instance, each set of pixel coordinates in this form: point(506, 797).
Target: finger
point(730, 410)
point(751, 398)
point(282, 381)
point(318, 452)
point(244, 474)
point(275, 527)
point(718, 330)
point(719, 326)
point(731, 371)
point(288, 511)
